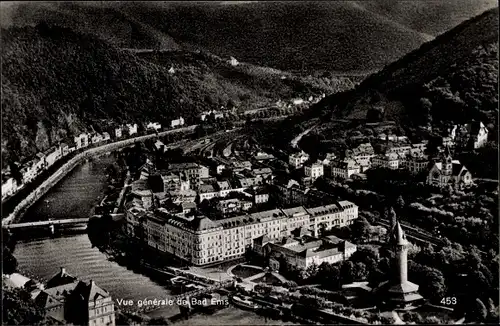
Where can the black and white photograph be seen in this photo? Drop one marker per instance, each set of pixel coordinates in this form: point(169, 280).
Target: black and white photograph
point(250, 162)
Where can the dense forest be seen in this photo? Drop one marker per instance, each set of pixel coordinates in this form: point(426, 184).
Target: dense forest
point(452, 78)
point(57, 83)
point(336, 36)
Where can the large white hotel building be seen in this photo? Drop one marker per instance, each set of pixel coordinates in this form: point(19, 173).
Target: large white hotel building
point(200, 240)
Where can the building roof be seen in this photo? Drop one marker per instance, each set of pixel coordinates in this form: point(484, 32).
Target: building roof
point(46, 301)
point(262, 171)
point(223, 185)
point(203, 189)
point(89, 291)
point(15, 280)
point(398, 236)
point(61, 278)
point(202, 223)
point(323, 210)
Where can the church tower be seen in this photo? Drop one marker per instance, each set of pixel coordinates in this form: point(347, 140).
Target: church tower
point(447, 161)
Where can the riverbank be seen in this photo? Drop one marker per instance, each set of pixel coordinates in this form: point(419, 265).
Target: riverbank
point(58, 175)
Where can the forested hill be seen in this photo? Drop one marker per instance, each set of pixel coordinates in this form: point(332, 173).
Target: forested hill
point(340, 36)
point(452, 78)
point(57, 83)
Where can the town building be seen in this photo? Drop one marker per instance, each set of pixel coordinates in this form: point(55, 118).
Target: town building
point(9, 187)
point(212, 113)
point(105, 136)
point(82, 140)
point(53, 154)
point(297, 160)
point(343, 169)
point(304, 251)
point(64, 149)
point(398, 291)
point(118, 133)
point(132, 129)
point(153, 126)
point(177, 122)
point(387, 161)
point(191, 170)
point(97, 138)
point(313, 171)
point(260, 195)
point(69, 301)
point(449, 172)
point(233, 62)
point(201, 240)
point(472, 135)
point(233, 205)
point(207, 192)
point(417, 163)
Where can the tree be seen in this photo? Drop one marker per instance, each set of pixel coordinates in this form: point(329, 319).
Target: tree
point(400, 202)
point(361, 229)
point(426, 106)
point(9, 261)
point(20, 309)
point(476, 311)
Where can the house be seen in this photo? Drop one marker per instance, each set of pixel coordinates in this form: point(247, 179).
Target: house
point(343, 169)
point(82, 140)
point(41, 163)
point(304, 251)
point(416, 163)
point(65, 149)
point(9, 187)
point(229, 206)
point(260, 195)
point(160, 146)
point(69, 301)
point(134, 216)
point(29, 171)
point(177, 122)
point(171, 70)
point(297, 160)
point(97, 138)
point(233, 62)
point(472, 135)
point(132, 129)
point(216, 115)
point(449, 172)
point(297, 101)
point(153, 126)
point(314, 170)
point(203, 172)
point(328, 158)
point(52, 155)
point(388, 161)
point(118, 132)
point(105, 136)
point(207, 192)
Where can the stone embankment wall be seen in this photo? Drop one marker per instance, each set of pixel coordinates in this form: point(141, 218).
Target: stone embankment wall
point(72, 163)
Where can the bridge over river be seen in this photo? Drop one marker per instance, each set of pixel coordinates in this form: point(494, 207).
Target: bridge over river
point(70, 221)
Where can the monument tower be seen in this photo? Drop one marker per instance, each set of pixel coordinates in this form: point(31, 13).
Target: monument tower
point(398, 292)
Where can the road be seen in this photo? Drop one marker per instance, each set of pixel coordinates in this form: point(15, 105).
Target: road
point(72, 163)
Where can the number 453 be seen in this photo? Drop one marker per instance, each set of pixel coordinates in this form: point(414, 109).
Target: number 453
point(449, 300)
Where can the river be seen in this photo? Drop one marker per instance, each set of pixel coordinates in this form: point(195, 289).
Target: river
point(74, 197)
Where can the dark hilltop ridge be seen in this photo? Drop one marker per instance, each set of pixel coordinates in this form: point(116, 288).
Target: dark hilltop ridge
point(303, 35)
